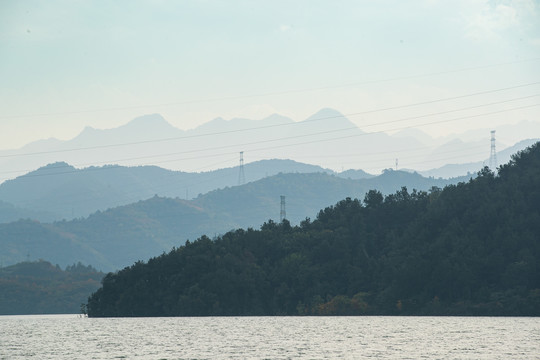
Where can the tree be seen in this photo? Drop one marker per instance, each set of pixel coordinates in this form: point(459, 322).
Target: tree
point(373, 198)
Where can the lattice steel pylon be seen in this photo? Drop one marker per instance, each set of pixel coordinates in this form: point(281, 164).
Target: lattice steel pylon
point(493, 153)
point(282, 213)
point(241, 175)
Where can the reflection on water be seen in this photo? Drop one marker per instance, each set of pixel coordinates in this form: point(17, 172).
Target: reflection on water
point(72, 337)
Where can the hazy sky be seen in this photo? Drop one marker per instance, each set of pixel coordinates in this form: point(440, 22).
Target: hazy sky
point(69, 64)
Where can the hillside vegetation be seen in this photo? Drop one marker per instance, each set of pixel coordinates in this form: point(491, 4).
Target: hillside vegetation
point(470, 249)
point(110, 240)
point(59, 191)
point(40, 288)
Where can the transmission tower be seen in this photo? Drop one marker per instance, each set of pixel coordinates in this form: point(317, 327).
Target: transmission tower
point(282, 213)
point(493, 154)
point(241, 175)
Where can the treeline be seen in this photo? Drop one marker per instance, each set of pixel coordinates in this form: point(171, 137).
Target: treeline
point(470, 249)
point(115, 238)
point(39, 287)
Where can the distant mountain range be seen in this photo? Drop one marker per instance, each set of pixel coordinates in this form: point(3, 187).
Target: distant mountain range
point(80, 205)
point(60, 191)
point(112, 239)
point(472, 167)
point(327, 139)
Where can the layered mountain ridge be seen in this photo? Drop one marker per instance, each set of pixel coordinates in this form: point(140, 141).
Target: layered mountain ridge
point(327, 138)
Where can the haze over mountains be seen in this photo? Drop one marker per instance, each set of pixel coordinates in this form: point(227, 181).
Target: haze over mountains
point(469, 249)
point(60, 191)
point(116, 237)
point(84, 207)
point(327, 139)
point(503, 157)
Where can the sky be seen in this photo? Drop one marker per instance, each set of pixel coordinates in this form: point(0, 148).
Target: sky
point(65, 65)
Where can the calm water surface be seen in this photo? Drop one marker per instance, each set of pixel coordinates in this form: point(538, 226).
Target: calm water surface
point(71, 337)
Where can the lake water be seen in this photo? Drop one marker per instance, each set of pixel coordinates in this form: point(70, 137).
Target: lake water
point(71, 337)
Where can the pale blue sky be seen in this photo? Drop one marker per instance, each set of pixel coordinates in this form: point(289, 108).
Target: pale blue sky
point(70, 60)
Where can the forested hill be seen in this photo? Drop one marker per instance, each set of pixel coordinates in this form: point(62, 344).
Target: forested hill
point(39, 287)
point(470, 249)
point(59, 191)
point(113, 239)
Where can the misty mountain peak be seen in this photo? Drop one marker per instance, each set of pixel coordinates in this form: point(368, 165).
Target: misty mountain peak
point(220, 124)
point(414, 134)
point(330, 118)
point(58, 164)
point(87, 136)
point(146, 127)
point(277, 119)
point(88, 130)
point(50, 169)
point(150, 121)
point(327, 112)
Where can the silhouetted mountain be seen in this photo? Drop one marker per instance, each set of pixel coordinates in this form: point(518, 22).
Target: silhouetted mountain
point(241, 125)
point(115, 238)
point(451, 170)
point(354, 174)
point(26, 239)
point(468, 249)
point(60, 191)
point(329, 120)
point(143, 128)
point(10, 212)
point(327, 138)
point(390, 180)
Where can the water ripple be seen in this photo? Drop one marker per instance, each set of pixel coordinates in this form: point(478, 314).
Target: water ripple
point(71, 337)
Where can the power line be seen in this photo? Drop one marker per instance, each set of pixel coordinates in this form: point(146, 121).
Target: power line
point(198, 181)
point(297, 123)
point(437, 100)
point(338, 130)
point(283, 92)
point(186, 183)
point(108, 165)
point(75, 167)
point(393, 152)
point(241, 174)
point(373, 132)
point(338, 138)
point(493, 153)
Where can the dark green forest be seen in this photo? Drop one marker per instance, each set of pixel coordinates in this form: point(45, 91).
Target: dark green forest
point(468, 249)
point(38, 287)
